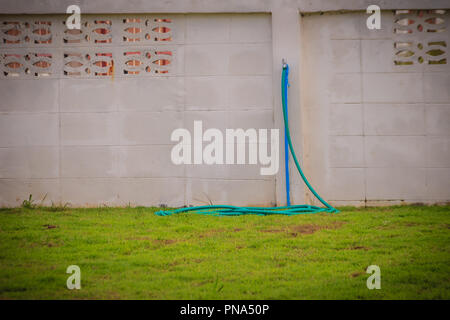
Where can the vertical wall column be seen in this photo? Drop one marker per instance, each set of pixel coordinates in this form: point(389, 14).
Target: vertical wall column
point(286, 44)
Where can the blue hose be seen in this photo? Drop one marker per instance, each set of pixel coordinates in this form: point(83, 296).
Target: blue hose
point(285, 85)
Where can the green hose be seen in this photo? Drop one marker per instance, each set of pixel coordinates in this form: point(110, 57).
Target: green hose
point(291, 148)
point(220, 210)
point(237, 211)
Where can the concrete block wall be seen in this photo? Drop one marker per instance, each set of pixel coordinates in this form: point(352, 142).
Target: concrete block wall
point(367, 131)
point(89, 141)
point(375, 132)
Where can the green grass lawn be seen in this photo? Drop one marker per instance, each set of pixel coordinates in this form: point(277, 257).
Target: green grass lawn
point(130, 253)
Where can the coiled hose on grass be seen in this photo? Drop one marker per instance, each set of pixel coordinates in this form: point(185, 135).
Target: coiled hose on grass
point(222, 210)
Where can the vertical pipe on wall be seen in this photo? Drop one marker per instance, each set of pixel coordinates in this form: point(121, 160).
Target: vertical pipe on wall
point(286, 44)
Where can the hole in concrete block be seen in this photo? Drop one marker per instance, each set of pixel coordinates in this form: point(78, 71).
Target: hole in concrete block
point(442, 61)
point(436, 30)
point(404, 21)
point(404, 53)
point(161, 29)
point(402, 63)
point(162, 62)
point(435, 52)
point(434, 20)
point(402, 31)
point(438, 43)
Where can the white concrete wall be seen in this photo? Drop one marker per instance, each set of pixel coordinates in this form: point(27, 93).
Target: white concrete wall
point(366, 131)
point(374, 132)
point(92, 140)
